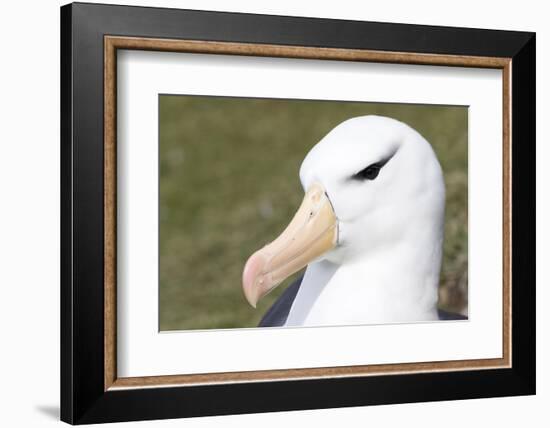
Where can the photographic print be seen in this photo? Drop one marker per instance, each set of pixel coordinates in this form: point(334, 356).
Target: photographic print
point(311, 213)
point(315, 200)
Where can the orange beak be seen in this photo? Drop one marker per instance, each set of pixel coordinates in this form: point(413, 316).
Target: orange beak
point(312, 232)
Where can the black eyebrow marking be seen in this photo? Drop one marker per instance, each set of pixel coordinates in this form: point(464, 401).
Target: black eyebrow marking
point(371, 171)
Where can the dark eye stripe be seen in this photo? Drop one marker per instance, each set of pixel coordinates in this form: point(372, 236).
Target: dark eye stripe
point(368, 173)
point(372, 171)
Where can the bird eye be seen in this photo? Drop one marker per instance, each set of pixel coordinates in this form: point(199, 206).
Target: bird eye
point(369, 173)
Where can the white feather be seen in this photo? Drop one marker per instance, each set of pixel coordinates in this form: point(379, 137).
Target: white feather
point(387, 263)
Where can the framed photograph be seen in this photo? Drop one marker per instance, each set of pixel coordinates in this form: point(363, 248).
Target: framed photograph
point(266, 213)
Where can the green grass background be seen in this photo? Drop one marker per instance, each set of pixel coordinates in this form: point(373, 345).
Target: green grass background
point(229, 184)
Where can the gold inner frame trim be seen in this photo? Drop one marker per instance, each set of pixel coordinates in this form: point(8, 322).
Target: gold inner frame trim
point(113, 43)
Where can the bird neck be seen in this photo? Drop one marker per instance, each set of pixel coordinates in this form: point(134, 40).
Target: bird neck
point(397, 284)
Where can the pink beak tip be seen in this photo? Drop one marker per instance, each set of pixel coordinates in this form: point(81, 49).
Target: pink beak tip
point(252, 270)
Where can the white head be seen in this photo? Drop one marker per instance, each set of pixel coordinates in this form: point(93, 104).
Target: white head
point(373, 183)
point(384, 182)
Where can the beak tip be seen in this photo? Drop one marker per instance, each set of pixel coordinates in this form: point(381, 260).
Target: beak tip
point(251, 272)
point(250, 297)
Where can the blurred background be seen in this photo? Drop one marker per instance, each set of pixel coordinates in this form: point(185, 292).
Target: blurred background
point(229, 184)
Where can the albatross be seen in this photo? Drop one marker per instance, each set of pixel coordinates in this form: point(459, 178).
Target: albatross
point(369, 229)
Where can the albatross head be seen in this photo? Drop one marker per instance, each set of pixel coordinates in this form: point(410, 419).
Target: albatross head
point(372, 184)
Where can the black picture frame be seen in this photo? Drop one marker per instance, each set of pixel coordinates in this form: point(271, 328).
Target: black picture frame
point(83, 396)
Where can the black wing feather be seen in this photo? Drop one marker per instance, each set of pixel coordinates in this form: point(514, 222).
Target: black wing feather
point(277, 314)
